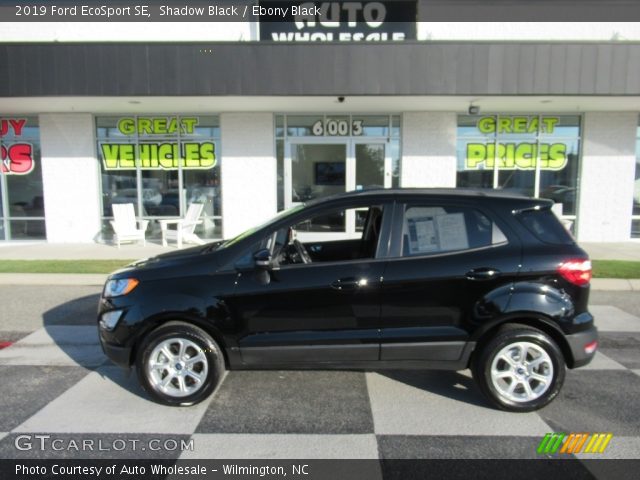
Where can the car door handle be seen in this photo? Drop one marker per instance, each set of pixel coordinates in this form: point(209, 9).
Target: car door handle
point(349, 283)
point(485, 273)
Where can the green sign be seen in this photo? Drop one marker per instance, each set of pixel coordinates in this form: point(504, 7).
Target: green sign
point(523, 155)
point(169, 153)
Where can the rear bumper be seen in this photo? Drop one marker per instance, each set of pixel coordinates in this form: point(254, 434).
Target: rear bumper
point(577, 343)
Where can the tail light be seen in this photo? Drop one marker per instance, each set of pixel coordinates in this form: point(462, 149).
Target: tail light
point(576, 271)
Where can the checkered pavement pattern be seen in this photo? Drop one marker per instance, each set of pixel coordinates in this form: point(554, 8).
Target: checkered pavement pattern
point(56, 381)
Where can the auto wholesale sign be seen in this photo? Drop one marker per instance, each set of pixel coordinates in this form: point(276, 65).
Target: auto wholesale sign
point(16, 155)
point(386, 21)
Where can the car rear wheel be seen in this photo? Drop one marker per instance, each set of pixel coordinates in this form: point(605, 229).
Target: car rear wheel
point(179, 364)
point(520, 369)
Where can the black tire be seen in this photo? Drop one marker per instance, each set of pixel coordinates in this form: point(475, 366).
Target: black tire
point(199, 347)
point(512, 335)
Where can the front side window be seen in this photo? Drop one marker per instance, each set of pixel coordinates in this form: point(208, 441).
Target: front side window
point(161, 164)
point(21, 189)
point(431, 229)
point(326, 237)
point(533, 155)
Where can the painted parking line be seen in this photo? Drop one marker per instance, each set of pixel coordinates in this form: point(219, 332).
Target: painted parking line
point(28, 388)
point(612, 319)
point(440, 403)
point(56, 345)
point(282, 446)
point(110, 400)
point(602, 362)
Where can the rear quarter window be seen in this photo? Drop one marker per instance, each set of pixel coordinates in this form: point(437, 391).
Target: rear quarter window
point(545, 226)
point(437, 229)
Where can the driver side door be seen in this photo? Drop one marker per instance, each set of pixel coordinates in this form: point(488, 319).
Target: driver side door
point(323, 312)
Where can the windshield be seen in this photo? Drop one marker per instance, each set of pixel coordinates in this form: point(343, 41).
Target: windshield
point(278, 217)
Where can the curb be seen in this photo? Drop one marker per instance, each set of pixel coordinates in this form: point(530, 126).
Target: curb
point(620, 284)
point(55, 279)
point(92, 279)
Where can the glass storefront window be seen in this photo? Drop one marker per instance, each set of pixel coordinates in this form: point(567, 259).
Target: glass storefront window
point(635, 219)
point(394, 146)
point(534, 155)
point(314, 176)
point(302, 125)
point(280, 172)
point(161, 164)
point(356, 151)
point(21, 190)
point(369, 165)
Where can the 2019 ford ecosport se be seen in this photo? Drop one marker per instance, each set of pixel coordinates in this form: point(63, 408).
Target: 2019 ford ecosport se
point(400, 279)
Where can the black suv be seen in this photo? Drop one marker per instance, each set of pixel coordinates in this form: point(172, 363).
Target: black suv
point(439, 279)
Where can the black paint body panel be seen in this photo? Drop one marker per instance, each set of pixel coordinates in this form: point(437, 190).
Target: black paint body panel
point(417, 312)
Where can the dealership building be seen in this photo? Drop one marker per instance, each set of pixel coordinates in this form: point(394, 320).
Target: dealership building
point(250, 118)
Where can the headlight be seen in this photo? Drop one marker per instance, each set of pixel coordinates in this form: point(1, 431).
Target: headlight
point(115, 288)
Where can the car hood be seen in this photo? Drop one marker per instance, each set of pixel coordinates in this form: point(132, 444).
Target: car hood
point(200, 256)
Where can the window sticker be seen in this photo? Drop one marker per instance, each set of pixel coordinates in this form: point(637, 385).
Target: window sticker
point(452, 231)
point(422, 235)
point(431, 229)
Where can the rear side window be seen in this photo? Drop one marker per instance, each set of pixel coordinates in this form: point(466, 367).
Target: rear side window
point(437, 229)
point(545, 226)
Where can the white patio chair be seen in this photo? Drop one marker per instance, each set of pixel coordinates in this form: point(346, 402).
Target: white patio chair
point(125, 226)
point(185, 227)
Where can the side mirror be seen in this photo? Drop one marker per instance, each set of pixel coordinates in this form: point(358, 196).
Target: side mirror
point(262, 258)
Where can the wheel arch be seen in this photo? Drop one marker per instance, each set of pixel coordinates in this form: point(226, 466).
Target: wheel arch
point(529, 319)
point(167, 318)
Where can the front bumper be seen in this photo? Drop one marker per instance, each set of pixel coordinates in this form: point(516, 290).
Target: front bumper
point(577, 343)
point(119, 355)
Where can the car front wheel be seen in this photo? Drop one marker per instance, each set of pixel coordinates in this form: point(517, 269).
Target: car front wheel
point(520, 370)
point(179, 364)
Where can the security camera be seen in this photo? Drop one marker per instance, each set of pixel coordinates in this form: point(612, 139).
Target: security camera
point(341, 99)
point(474, 110)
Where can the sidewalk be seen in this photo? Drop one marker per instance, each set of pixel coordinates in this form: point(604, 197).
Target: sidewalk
point(44, 251)
point(81, 251)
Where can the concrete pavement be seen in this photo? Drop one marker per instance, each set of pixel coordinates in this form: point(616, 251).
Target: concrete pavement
point(57, 379)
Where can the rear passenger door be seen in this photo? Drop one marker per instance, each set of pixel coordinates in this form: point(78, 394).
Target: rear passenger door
point(444, 258)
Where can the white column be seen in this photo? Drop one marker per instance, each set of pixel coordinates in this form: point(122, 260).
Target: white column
point(248, 170)
point(607, 176)
point(428, 149)
point(70, 176)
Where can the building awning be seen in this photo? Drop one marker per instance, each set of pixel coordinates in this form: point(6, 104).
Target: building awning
point(261, 69)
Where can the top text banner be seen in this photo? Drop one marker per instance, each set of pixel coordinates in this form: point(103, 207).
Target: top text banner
point(129, 11)
point(262, 11)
